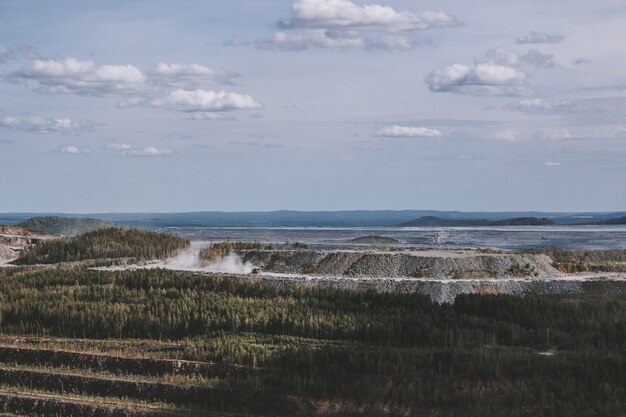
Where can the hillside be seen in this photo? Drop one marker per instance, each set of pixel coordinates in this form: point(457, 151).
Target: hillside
point(67, 226)
point(109, 243)
point(524, 221)
point(374, 240)
point(618, 221)
point(19, 231)
point(433, 221)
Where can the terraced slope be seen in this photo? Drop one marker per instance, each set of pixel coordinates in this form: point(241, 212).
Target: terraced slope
point(417, 264)
point(74, 383)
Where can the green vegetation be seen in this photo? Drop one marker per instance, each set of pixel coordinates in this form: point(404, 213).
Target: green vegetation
point(433, 221)
point(68, 226)
point(220, 249)
point(523, 221)
point(347, 352)
point(109, 243)
point(617, 221)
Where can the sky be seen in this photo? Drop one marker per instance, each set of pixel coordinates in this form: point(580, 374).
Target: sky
point(161, 106)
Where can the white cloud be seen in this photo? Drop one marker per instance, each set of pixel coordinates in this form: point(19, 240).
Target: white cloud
point(552, 133)
point(124, 149)
point(5, 53)
point(36, 124)
point(334, 39)
point(321, 38)
point(237, 41)
point(479, 79)
point(397, 131)
point(118, 146)
point(610, 132)
point(71, 76)
point(202, 115)
point(538, 59)
point(147, 151)
point(73, 149)
point(507, 135)
point(552, 164)
point(179, 136)
point(343, 24)
point(505, 57)
point(344, 14)
point(190, 75)
point(535, 37)
point(542, 105)
point(202, 100)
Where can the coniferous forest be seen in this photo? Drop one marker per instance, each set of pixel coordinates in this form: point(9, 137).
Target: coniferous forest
point(333, 351)
point(109, 243)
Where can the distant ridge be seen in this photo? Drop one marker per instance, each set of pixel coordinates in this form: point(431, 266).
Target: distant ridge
point(432, 221)
point(617, 221)
point(291, 218)
point(68, 226)
point(524, 221)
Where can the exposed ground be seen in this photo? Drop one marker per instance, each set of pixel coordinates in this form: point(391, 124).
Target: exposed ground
point(14, 239)
point(439, 264)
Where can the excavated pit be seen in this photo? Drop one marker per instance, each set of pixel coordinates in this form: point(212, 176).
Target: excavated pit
point(403, 264)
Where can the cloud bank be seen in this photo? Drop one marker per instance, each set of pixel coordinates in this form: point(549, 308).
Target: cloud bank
point(73, 150)
point(5, 53)
point(344, 14)
point(36, 124)
point(72, 76)
point(343, 24)
point(535, 37)
point(397, 131)
point(202, 100)
point(479, 80)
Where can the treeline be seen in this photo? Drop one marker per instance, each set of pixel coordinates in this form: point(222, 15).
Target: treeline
point(217, 250)
point(104, 244)
point(483, 355)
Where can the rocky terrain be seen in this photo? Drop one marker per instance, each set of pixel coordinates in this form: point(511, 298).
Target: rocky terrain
point(438, 264)
point(13, 239)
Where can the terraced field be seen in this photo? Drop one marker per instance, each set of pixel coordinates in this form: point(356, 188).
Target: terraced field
point(47, 376)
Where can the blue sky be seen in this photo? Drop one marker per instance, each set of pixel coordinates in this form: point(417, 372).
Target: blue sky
point(312, 105)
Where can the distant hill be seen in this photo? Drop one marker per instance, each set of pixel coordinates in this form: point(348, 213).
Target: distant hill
point(432, 221)
point(110, 243)
point(68, 226)
point(524, 221)
point(374, 239)
point(287, 218)
point(619, 220)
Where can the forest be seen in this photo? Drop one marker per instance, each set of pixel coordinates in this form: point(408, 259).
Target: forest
point(109, 243)
point(351, 352)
